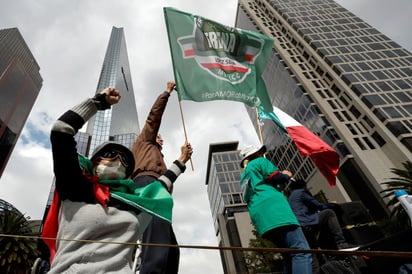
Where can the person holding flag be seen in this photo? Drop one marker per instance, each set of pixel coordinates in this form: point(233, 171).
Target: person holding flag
point(149, 166)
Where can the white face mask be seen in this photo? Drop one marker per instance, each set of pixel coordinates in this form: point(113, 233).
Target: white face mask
point(111, 171)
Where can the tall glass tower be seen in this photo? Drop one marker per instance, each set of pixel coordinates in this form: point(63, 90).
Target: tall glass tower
point(345, 81)
point(20, 84)
point(120, 122)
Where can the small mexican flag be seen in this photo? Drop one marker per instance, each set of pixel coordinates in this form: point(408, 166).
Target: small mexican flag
point(323, 156)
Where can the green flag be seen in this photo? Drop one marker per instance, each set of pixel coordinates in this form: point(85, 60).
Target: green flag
point(216, 62)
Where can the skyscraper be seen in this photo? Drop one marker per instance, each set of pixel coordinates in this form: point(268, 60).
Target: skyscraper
point(20, 83)
point(344, 80)
point(229, 212)
point(120, 122)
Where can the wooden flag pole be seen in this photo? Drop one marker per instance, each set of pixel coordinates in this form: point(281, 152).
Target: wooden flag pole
point(184, 130)
point(259, 127)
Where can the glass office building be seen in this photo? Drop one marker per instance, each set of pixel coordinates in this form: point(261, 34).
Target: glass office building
point(20, 83)
point(345, 81)
point(229, 212)
point(120, 123)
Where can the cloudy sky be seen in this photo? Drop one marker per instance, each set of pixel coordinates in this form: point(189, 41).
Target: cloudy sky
point(69, 38)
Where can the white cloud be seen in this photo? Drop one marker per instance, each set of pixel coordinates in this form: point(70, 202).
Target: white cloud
point(28, 178)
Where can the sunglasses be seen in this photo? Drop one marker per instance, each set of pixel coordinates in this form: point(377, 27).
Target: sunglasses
point(111, 154)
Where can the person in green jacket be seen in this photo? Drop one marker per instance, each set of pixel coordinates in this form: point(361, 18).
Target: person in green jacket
point(269, 209)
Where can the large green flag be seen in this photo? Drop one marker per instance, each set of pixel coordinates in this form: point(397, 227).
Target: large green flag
point(216, 62)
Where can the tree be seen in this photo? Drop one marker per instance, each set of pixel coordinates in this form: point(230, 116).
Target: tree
point(402, 181)
point(17, 254)
point(262, 261)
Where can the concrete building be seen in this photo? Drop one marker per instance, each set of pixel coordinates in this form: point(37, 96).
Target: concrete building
point(346, 82)
point(230, 215)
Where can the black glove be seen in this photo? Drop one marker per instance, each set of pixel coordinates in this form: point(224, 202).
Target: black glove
point(100, 101)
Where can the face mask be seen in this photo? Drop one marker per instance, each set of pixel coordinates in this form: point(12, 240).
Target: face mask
point(111, 171)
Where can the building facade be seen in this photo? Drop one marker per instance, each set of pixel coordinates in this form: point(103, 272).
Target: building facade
point(20, 84)
point(230, 215)
point(346, 82)
point(120, 122)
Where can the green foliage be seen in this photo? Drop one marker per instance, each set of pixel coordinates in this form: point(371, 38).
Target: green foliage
point(16, 254)
point(262, 262)
point(402, 181)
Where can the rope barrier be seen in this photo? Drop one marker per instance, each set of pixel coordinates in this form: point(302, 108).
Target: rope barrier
point(367, 253)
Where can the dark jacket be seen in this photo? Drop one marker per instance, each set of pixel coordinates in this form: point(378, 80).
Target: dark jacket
point(305, 207)
point(147, 153)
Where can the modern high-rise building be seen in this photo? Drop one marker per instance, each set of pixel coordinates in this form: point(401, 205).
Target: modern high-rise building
point(20, 83)
point(230, 215)
point(120, 122)
point(345, 81)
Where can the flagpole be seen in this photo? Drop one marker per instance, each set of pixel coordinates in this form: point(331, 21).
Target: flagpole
point(259, 127)
point(184, 130)
point(174, 72)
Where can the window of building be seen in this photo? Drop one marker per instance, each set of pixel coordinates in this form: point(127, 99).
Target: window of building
point(380, 114)
point(368, 142)
point(340, 117)
point(359, 89)
point(392, 112)
point(342, 149)
point(373, 100)
point(378, 139)
point(397, 128)
point(355, 111)
point(359, 143)
point(368, 121)
point(352, 129)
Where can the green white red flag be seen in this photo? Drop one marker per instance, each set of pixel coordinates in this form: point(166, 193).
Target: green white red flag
point(216, 62)
point(323, 156)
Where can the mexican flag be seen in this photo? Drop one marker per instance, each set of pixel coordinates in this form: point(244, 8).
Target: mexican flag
point(216, 62)
point(323, 156)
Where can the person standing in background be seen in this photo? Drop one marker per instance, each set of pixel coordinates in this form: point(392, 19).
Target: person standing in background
point(269, 209)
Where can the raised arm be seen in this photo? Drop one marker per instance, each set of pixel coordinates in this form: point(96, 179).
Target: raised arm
point(151, 127)
point(67, 171)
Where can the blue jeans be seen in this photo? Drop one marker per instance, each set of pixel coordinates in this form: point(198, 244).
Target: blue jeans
point(292, 237)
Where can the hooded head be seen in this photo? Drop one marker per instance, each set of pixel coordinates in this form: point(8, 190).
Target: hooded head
point(111, 149)
point(249, 151)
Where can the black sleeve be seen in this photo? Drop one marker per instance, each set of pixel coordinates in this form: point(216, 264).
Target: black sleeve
point(69, 179)
point(171, 174)
point(278, 181)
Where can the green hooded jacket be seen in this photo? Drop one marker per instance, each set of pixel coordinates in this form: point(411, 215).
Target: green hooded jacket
point(268, 208)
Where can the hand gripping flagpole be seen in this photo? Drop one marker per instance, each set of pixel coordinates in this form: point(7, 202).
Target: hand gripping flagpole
point(184, 128)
